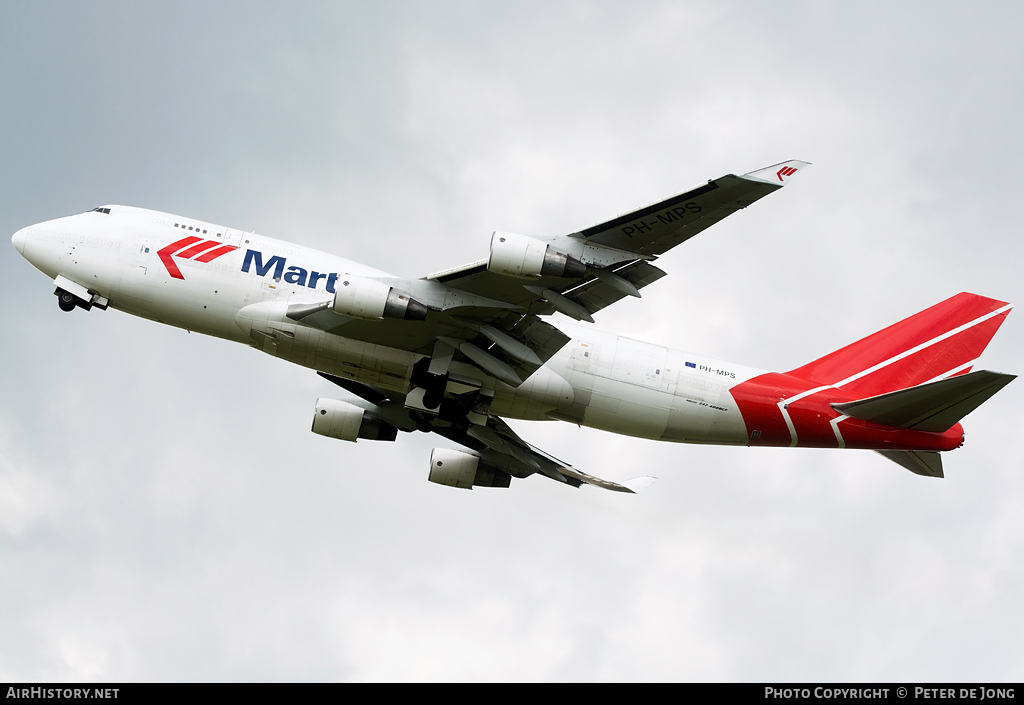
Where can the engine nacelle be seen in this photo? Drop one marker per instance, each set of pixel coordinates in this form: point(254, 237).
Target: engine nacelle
point(456, 468)
point(373, 300)
point(339, 419)
point(528, 258)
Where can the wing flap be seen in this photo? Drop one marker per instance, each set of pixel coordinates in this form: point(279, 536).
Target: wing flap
point(595, 295)
point(374, 395)
point(504, 338)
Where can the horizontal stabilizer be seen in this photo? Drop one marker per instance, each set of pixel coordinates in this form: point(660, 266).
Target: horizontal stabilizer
point(935, 406)
point(919, 462)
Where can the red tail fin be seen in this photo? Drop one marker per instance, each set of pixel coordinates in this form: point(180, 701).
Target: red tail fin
point(940, 341)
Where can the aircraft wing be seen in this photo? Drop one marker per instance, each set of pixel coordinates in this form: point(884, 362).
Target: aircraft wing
point(657, 228)
point(493, 319)
point(506, 342)
point(638, 236)
point(499, 448)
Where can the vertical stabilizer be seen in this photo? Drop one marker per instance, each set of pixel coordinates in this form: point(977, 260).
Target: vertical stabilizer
point(939, 342)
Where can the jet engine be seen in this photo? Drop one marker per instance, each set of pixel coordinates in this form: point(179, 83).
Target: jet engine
point(339, 419)
point(373, 300)
point(527, 258)
point(456, 468)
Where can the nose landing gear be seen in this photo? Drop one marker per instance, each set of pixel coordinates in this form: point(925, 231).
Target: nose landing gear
point(66, 300)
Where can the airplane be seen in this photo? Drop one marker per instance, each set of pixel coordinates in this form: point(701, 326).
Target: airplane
point(457, 352)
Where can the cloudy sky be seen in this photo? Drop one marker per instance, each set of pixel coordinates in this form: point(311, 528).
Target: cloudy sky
point(165, 513)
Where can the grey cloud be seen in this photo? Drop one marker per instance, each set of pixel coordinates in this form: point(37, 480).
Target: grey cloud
point(168, 516)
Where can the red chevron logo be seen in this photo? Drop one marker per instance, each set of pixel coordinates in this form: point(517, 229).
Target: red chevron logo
point(785, 171)
point(189, 247)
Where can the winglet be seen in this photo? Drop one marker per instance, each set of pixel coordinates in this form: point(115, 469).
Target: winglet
point(632, 486)
point(639, 484)
point(779, 174)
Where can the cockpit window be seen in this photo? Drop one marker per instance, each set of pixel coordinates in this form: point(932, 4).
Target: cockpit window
point(100, 210)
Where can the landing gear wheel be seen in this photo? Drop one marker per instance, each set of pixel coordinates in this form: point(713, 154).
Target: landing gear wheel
point(459, 427)
point(66, 301)
point(432, 400)
point(424, 425)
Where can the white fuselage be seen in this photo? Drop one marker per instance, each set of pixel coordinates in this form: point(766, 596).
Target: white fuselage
point(598, 379)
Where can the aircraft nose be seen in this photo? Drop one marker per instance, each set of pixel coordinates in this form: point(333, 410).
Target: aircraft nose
point(18, 240)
